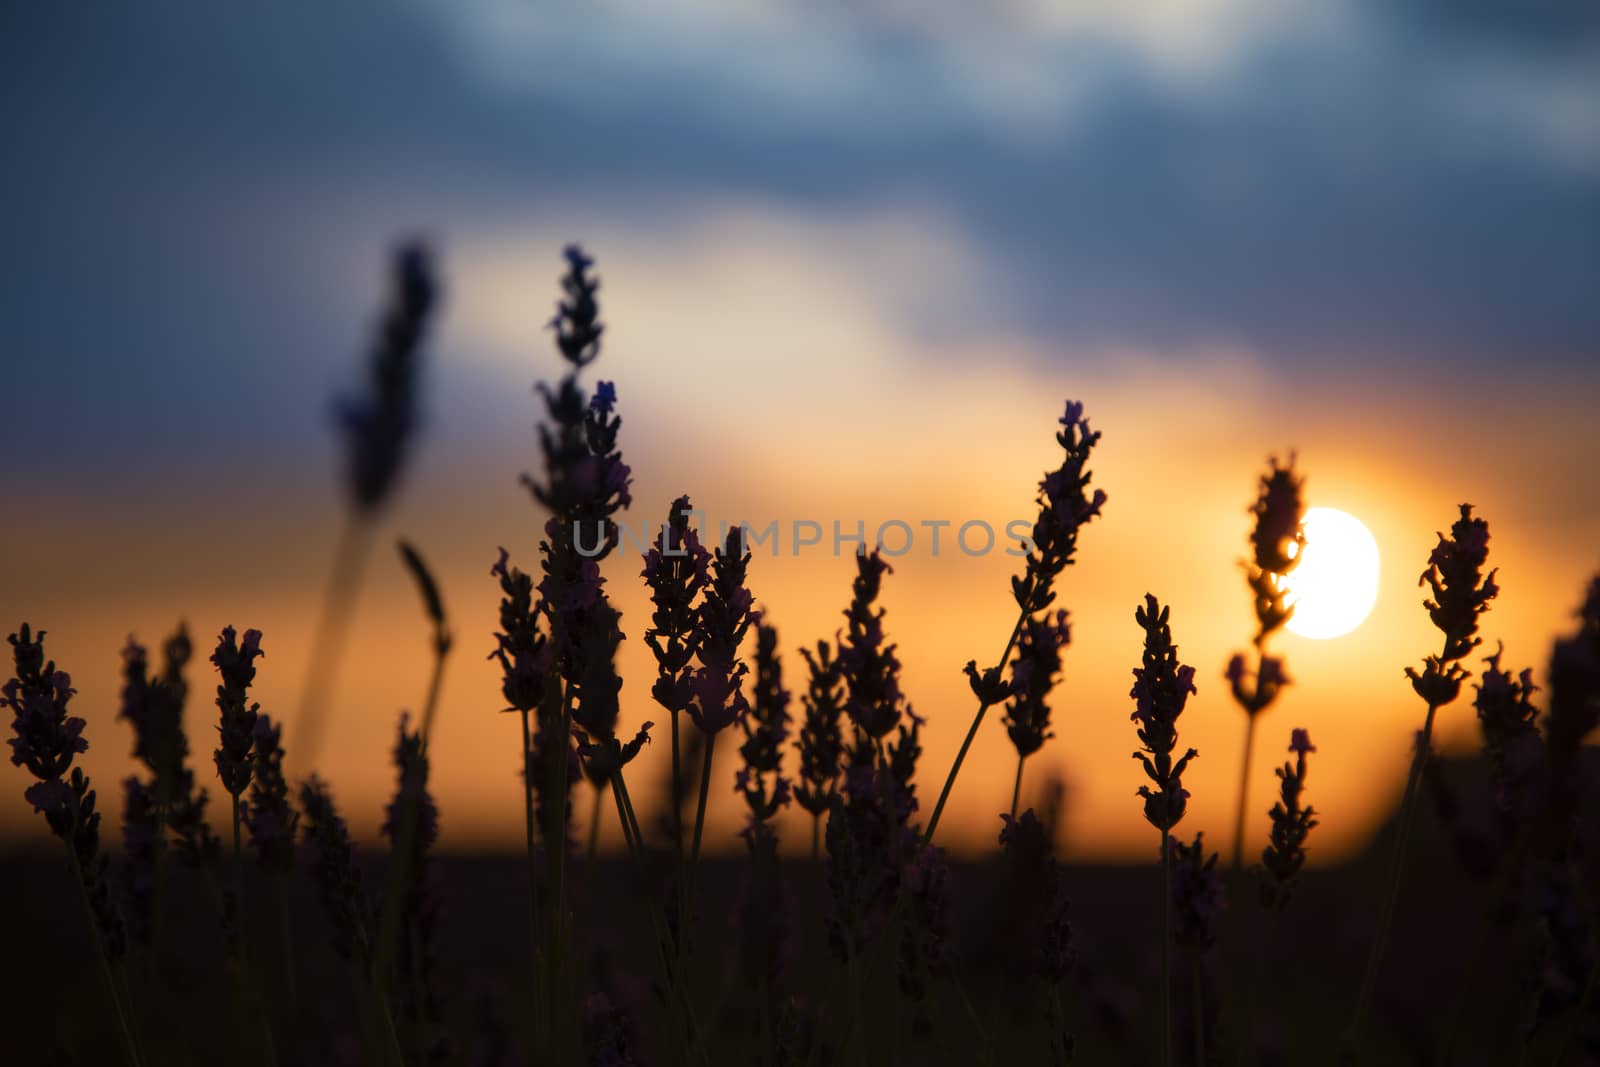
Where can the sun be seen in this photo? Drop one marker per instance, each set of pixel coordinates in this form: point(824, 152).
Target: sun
point(1335, 585)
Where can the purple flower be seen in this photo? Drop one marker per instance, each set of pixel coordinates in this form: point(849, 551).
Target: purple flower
point(46, 736)
point(605, 397)
point(870, 667)
point(821, 743)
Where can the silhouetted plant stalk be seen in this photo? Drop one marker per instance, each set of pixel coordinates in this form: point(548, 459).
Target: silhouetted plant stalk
point(234, 659)
point(1161, 688)
point(1065, 505)
point(764, 911)
point(1033, 676)
point(821, 743)
point(1277, 541)
point(1460, 593)
point(570, 676)
point(378, 428)
point(330, 856)
point(1281, 863)
point(409, 920)
point(408, 823)
point(47, 738)
point(1198, 899)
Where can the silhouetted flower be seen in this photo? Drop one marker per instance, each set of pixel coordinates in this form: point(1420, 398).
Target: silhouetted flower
point(1161, 688)
point(272, 820)
point(726, 615)
point(235, 661)
point(821, 743)
point(1198, 894)
point(1065, 504)
point(1256, 693)
point(330, 855)
point(1507, 717)
point(861, 836)
point(46, 736)
point(871, 669)
point(1461, 593)
point(760, 781)
point(1277, 541)
point(1292, 821)
point(378, 426)
point(420, 1000)
point(1033, 674)
point(46, 740)
point(523, 651)
point(140, 840)
point(676, 568)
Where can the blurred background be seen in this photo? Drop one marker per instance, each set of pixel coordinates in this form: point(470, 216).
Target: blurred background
point(854, 257)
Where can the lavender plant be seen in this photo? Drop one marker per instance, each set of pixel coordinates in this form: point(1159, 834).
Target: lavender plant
point(1460, 594)
point(1033, 676)
point(1277, 541)
point(1065, 505)
point(378, 429)
point(46, 740)
point(1161, 688)
point(821, 742)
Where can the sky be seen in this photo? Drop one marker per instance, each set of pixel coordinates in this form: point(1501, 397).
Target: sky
point(854, 259)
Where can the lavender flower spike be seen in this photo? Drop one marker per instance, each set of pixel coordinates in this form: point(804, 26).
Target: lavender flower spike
point(1161, 688)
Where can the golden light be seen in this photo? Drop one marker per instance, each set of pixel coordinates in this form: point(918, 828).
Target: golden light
point(1335, 585)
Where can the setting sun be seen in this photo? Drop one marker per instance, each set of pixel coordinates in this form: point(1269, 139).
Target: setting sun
point(1335, 585)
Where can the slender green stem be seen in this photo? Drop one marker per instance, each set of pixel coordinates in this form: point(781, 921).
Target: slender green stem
point(1244, 790)
point(333, 627)
point(1016, 787)
point(1166, 949)
point(1391, 894)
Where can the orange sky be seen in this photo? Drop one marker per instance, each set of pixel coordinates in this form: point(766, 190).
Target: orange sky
point(804, 401)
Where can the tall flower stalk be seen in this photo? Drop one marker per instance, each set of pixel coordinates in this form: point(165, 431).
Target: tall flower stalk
point(1161, 688)
point(1277, 541)
point(677, 569)
point(1281, 863)
point(821, 742)
point(1460, 594)
point(378, 427)
point(559, 637)
point(1065, 505)
point(47, 739)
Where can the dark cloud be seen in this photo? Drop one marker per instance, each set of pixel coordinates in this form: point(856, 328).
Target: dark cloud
point(181, 192)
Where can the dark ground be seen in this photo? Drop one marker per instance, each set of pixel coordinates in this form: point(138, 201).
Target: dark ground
point(1453, 979)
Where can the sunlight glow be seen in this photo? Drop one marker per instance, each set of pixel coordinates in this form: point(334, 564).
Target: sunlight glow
point(1335, 585)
